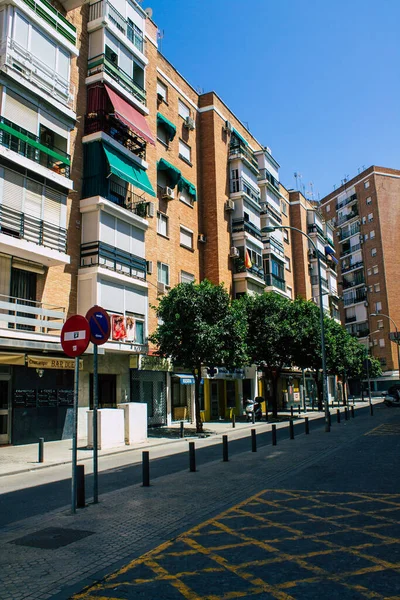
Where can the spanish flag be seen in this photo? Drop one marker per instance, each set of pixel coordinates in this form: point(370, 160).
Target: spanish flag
point(247, 260)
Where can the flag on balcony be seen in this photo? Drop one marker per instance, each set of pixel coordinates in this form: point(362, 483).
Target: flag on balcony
point(247, 260)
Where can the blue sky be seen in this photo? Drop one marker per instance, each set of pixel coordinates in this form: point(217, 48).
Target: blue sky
point(315, 80)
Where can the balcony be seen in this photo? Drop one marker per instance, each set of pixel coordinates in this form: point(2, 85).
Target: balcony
point(102, 121)
point(275, 281)
point(27, 144)
point(314, 228)
point(53, 18)
point(346, 201)
point(344, 218)
point(324, 282)
point(25, 64)
point(350, 319)
point(242, 185)
point(238, 149)
point(350, 249)
point(353, 267)
point(103, 64)
point(266, 208)
point(272, 245)
point(105, 10)
point(352, 230)
point(359, 330)
point(265, 175)
point(242, 225)
point(37, 317)
point(354, 282)
point(118, 194)
point(239, 267)
point(359, 296)
point(103, 255)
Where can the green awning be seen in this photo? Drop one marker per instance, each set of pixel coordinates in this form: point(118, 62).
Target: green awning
point(189, 187)
point(170, 127)
point(41, 147)
point(121, 166)
point(241, 138)
point(174, 174)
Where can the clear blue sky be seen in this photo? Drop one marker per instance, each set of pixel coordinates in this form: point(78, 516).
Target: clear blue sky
point(316, 80)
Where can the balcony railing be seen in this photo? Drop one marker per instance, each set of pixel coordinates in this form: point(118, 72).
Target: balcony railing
point(239, 150)
point(102, 121)
point(353, 267)
point(273, 245)
point(106, 9)
point(275, 281)
point(27, 144)
point(346, 201)
point(266, 208)
point(22, 226)
point(241, 185)
point(345, 218)
point(350, 250)
point(354, 282)
point(53, 17)
point(324, 282)
point(266, 175)
point(242, 225)
point(104, 255)
point(28, 315)
point(359, 296)
point(350, 319)
point(103, 64)
point(358, 330)
point(25, 64)
point(119, 194)
point(353, 229)
point(314, 228)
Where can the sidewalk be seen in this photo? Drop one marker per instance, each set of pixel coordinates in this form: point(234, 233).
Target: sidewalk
point(20, 459)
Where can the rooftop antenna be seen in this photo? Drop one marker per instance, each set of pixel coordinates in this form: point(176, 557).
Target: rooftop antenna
point(312, 190)
point(297, 177)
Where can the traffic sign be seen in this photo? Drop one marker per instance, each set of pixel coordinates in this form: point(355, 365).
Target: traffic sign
point(100, 325)
point(75, 336)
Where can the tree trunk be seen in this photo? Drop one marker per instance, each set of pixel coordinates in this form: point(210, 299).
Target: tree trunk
point(197, 379)
point(320, 390)
point(274, 382)
point(345, 395)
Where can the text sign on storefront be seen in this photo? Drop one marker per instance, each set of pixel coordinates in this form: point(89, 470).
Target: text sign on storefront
point(75, 336)
point(100, 325)
point(48, 362)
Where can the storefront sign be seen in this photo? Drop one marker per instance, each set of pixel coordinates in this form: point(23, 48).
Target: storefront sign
point(154, 363)
point(48, 362)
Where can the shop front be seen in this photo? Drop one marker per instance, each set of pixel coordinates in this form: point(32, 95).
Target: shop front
point(182, 397)
point(149, 385)
point(223, 394)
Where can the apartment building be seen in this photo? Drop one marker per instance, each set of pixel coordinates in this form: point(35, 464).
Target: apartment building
point(365, 212)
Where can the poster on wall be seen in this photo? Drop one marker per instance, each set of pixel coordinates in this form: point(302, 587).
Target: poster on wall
point(130, 329)
point(118, 328)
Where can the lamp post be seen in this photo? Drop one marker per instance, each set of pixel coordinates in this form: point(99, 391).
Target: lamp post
point(321, 311)
point(367, 368)
point(397, 334)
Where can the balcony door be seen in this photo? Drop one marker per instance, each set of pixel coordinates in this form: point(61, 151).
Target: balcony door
point(23, 292)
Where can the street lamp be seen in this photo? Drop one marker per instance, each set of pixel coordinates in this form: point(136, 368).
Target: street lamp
point(321, 311)
point(368, 377)
point(397, 334)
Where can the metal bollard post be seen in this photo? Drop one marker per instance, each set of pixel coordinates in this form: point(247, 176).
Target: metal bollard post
point(253, 441)
point(192, 457)
point(291, 412)
point(338, 415)
point(145, 468)
point(253, 417)
point(41, 450)
point(371, 410)
point(80, 486)
point(306, 425)
point(291, 429)
point(266, 411)
point(299, 409)
point(274, 435)
point(182, 430)
point(233, 421)
point(346, 414)
point(329, 418)
point(352, 411)
point(225, 448)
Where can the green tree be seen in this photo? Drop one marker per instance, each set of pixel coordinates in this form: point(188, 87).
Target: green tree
point(200, 327)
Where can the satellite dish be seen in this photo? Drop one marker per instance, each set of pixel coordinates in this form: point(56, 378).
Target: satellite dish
point(149, 12)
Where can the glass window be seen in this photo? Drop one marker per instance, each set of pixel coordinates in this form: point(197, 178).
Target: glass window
point(21, 29)
point(285, 234)
point(139, 332)
point(163, 273)
point(43, 48)
point(373, 252)
point(382, 343)
point(186, 238)
point(328, 208)
point(284, 207)
point(162, 224)
point(370, 217)
point(183, 110)
point(377, 287)
point(380, 324)
point(369, 272)
point(378, 307)
point(287, 261)
point(63, 64)
point(162, 90)
point(366, 184)
point(289, 291)
point(372, 234)
point(186, 277)
point(184, 151)
point(369, 200)
point(375, 270)
point(162, 135)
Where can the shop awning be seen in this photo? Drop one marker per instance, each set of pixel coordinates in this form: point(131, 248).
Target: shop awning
point(184, 379)
point(121, 166)
point(173, 173)
point(241, 138)
point(12, 358)
point(170, 127)
point(130, 116)
point(189, 187)
point(329, 250)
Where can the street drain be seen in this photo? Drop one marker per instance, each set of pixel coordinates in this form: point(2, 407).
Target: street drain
point(52, 538)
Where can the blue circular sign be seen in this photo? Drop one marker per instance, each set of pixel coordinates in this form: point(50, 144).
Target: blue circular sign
point(100, 325)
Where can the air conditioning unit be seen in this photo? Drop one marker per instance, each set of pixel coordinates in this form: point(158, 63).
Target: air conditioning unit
point(168, 193)
point(149, 267)
point(228, 127)
point(160, 97)
point(161, 288)
point(229, 205)
point(202, 238)
point(234, 253)
point(190, 123)
point(150, 209)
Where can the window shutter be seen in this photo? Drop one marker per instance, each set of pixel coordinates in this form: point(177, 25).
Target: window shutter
point(20, 111)
point(52, 207)
point(13, 186)
point(33, 199)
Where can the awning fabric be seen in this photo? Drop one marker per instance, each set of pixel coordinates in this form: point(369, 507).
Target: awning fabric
point(64, 158)
point(130, 116)
point(184, 379)
point(333, 259)
point(189, 187)
point(8, 358)
point(121, 166)
point(329, 250)
point(240, 136)
point(174, 174)
point(170, 127)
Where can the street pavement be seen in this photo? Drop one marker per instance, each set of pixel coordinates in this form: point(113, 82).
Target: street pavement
point(314, 516)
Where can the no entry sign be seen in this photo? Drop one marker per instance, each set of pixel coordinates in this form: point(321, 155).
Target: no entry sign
point(99, 323)
point(75, 336)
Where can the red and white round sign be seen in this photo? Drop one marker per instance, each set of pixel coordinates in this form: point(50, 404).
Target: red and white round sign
point(75, 336)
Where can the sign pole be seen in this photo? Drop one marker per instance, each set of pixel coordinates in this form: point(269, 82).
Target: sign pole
point(75, 434)
point(95, 443)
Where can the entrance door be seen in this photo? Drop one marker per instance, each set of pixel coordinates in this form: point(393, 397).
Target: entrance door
point(5, 411)
point(107, 386)
point(214, 400)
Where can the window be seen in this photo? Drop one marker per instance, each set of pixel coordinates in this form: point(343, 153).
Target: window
point(377, 287)
point(186, 238)
point(375, 342)
point(184, 151)
point(328, 208)
point(163, 273)
point(370, 289)
point(187, 277)
point(365, 237)
point(366, 184)
point(134, 328)
point(183, 110)
point(185, 197)
point(382, 343)
point(375, 270)
point(380, 324)
point(368, 200)
point(284, 207)
point(369, 272)
point(364, 220)
point(378, 307)
point(287, 261)
point(289, 291)
point(162, 91)
point(370, 217)
point(162, 134)
point(285, 234)
point(372, 234)
point(162, 224)
point(373, 251)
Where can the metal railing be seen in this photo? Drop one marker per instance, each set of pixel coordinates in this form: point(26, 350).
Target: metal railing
point(346, 201)
point(102, 121)
point(239, 150)
point(106, 9)
point(314, 228)
point(23, 62)
point(241, 185)
point(345, 218)
point(354, 282)
point(359, 296)
point(29, 315)
point(254, 269)
point(274, 245)
point(103, 255)
point(103, 64)
point(52, 16)
point(266, 175)
point(353, 229)
point(22, 226)
point(274, 212)
point(275, 281)
point(242, 225)
point(119, 194)
point(30, 146)
point(350, 250)
point(357, 265)
point(324, 281)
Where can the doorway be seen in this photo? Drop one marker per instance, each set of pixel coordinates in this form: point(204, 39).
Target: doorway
point(5, 409)
point(107, 386)
point(214, 400)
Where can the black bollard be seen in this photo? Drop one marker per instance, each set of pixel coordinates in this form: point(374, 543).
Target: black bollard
point(338, 415)
point(41, 450)
point(306, 425)
point(266, 412)
point(352, 411)
point(253, 441)
point(291, 429)
point(192, 457)
point(80, 486)
point(346, 414)
point(145, 468)
point(329, 418)
point(253, 416)
point(274, 440)
point(182, 430)
point(233, 421)
point(225, 448)
point(291, 412)
point(299, 409)
point(371, 410)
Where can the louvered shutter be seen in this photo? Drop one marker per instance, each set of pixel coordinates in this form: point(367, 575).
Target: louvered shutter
point(52, 207)
point(33, 199)
point(13, 187)
point(21, 112)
